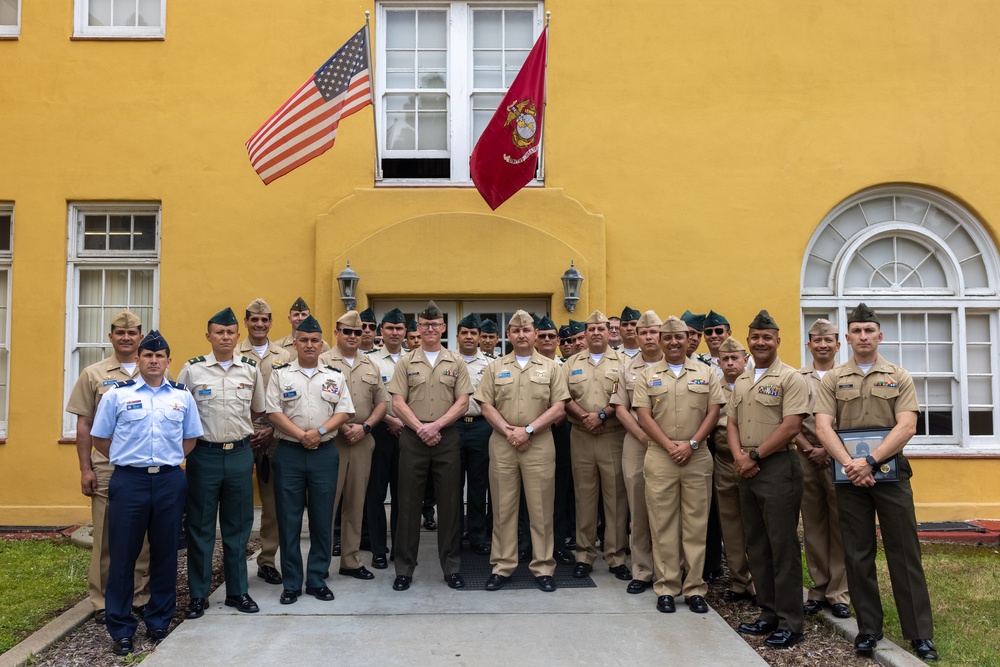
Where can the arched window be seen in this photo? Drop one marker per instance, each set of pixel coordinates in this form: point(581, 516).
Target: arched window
point(931, 272)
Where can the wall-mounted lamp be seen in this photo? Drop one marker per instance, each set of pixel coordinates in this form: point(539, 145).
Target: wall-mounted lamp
point(571, 281)
point(348, 282)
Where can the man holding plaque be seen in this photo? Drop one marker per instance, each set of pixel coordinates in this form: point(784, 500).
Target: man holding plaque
point(870, 392)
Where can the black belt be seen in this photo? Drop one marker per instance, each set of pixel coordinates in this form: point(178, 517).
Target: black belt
point(145, 470)
point(224, 445)
point(471, 420)
point(298, 445)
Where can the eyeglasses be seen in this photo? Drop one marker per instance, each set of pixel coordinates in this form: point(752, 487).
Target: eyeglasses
point(430, 325)
point(547, 336)
point(717, 331)
point(369, 326)
point(350, 332)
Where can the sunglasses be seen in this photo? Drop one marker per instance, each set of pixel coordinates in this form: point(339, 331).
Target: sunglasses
point(546, 336)
point(369, 326)
point(717, 331)
point(350, 332)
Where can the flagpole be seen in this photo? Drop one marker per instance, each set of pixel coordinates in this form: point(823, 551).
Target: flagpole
point(545, 104)
point(371, 91)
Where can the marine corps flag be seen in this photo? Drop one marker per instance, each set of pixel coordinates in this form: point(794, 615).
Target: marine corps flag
point(506, 156)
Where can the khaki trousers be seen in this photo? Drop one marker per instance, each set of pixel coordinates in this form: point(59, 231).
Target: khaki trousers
point(268, 514)
point(536, 470)
point(727, 491)
point(100, 557)
point(352, 487)
point(597, 470)
point(821, 535)
point(633, 461)
point(678, 499)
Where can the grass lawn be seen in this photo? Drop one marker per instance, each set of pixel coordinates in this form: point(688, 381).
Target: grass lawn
point(38, 579)
point(964, 583)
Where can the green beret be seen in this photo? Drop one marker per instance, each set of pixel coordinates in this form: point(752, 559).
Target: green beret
point(576, 327)
point(368, 315)
point(630, 314)
point(224, 317)
point(154, 342)
point(764, 321)
point(489, 326)
point(394, 316)
point(310, 325)
point(713, 319)
point(862, 314)
point(545, 324)
point(470, 321)
point(299, 305)
point(431, 312)
point(696, 322)
point(564, 333)
point(412, 326)
point(535, 319)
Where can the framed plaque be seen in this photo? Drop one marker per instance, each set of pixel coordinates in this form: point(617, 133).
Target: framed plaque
point(860, 443)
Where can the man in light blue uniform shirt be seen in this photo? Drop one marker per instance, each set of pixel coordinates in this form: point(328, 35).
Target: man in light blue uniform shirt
point(145, 426)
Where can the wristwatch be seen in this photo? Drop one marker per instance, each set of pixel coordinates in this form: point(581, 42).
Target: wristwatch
point(366, 428)
point(754, 456)
point(322, 431)
point(870, 460)
point(602, 415)
point(694, 444)
point(529, 429)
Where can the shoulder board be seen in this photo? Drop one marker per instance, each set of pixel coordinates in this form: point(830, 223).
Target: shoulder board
point(196, 360)
point(277, 365)
point(707, 363)
point(248, 360)
point(333, 368)
point(372, 351)
point(489, 356)
point(178, 385)
point(125, 383)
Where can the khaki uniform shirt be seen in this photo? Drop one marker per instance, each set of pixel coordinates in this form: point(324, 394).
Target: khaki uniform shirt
point(274, 355)
point(387, 367)
point(521, 395)
point(308, 401)
point(430, 392)
point(719, 432)
point(678, 404)
point(476, 368)
point(225, 398)
point(857, 400)
point(812, 378)
point(592, 386)
point(288, 344)
point(93, 383)
point(363, 379)
point(759, 407)
point(626, 388)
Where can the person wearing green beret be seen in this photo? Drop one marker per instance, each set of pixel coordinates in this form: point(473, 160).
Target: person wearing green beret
point(298, 312)
point(566, 345)
point(578, 336)
point(230, 395)
point(369, 328)
point(696, 325)
point(630, 340)
point(412, 340)
point(489, 336)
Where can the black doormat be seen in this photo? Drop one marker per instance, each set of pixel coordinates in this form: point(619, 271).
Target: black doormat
point(476, 570)
point(949, 527)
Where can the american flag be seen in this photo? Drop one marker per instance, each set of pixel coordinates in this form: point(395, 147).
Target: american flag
point(306, 125)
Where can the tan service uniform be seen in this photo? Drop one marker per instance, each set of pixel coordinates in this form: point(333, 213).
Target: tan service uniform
point(367, 391)
point(597, 459)
point(678, 498)
point(520, 396)
point(94, 382)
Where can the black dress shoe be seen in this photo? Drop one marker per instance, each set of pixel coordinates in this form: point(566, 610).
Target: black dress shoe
point(865, 643)
point(289, 596)
point(564, 557)
point(156, 636)
point(571, 544)
point(783, 639)
point(665, 604)
point(523, 556)
point(454, 580)
point(637, 586)
point(269, 574)
point(429, 524)
point(582, 570)
point(196, 608)
point(358, 573)
point(321, 593)
point(243, 603)
point(401, 583)
point(733, 596)
point(100, 617)
point(812, 607)
point(758, 627)
point(122, 646)
point(696, 603)
point(621, 572)
point(483, 548)
point(546, 584)
point(380, 562)
point(336, 548)
point(925, 649)
point(841, 610)
point(496, 582)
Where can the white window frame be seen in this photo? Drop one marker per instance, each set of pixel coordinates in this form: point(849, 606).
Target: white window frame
point(835, 302)
point(81, 28)
point(79, 259)
point(8, 31)
point(459, 91)
point(6, 264)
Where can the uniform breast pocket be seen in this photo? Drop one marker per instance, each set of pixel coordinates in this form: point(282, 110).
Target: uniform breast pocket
point(415, 380)
point(540, 388)
point(448, 380)
point(244, 392)
point(174, 415)
point(609, 380)
point(699, 396)
point(887, 393)
point(504, 387)
point(331, 396)
point(768, 408)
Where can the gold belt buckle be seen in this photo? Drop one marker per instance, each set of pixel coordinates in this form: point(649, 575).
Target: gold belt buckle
point(468, 420)
point(228, 446)
point(152, 470)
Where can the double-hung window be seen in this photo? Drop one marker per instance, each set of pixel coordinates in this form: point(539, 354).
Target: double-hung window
point(442, 69)
point(121, 19)
point(10, 18)
point(114, 263)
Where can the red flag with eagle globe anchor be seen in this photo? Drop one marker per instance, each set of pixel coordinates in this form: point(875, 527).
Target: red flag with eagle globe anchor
point(506, 156)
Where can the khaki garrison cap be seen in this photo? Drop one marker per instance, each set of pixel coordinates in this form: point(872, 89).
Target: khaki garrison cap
point(350, 319)
point(649, 319)
point(258, 307)
point(126, 319)
point(596, 317)
point(520, 319)
point(731, 345)
point(823, 327)
point(673, 325)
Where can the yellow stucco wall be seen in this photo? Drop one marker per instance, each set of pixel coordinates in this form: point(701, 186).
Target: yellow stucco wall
point(691, 149)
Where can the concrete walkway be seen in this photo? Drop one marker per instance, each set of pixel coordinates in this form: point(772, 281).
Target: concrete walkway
point(370, 624)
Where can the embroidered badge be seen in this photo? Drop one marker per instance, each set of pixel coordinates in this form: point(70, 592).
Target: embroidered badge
point(177, 406)
point(289, 394)
point(576, 371)
point(656, 382)
point(330, 387)
point(204, 391)
point(503, 374)
point(769, 390)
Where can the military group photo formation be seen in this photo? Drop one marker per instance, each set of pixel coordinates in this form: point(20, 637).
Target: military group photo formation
point(519, 441)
